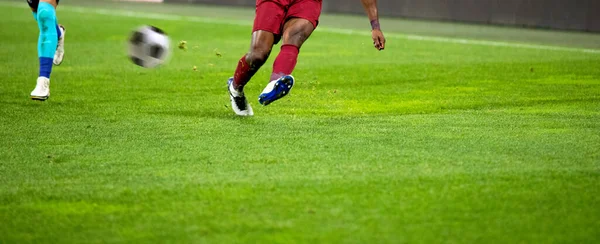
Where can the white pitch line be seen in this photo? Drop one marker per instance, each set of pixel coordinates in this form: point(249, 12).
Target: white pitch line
point(133, 14)
point(500, 44)
point(463, 41)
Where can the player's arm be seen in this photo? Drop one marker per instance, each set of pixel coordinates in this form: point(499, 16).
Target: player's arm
point(371, 8)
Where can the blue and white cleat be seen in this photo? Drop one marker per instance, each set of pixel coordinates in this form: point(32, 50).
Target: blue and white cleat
point(276, 89)
point(239, 103)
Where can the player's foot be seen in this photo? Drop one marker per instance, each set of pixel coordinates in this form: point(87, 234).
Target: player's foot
point(60, 48)
point(42, 89)
point(276, 89)
point(239, 103)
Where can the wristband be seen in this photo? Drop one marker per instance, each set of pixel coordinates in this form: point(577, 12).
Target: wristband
point(375, 25)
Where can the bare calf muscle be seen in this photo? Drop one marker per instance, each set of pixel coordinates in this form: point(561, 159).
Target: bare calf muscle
point(260, 48)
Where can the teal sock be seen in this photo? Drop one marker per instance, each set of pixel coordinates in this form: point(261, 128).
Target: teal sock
point(48, 40)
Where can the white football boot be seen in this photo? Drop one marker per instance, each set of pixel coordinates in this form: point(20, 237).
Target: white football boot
point(60, 48)
point(239, 103)
point(42, 89)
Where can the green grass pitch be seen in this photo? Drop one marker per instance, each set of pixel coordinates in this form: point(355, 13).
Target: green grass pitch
point(425, 142)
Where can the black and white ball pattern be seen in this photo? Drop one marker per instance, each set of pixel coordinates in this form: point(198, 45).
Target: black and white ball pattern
point(148, 46)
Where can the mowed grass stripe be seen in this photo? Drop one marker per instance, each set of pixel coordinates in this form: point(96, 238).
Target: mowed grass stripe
point(146, 15)
point(424, 143)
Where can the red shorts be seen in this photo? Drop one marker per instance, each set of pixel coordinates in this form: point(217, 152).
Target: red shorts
point(271, 15)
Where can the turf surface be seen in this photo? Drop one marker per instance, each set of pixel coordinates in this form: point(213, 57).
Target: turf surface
point(423, 142)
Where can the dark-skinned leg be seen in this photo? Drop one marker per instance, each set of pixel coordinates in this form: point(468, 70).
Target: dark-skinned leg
point(295, 32)
point(249, 64)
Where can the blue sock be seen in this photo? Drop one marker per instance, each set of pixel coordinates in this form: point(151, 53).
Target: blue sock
point(45, 67)
point(48, 40)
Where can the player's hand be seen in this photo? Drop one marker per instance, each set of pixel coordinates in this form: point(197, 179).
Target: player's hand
point(378, 39)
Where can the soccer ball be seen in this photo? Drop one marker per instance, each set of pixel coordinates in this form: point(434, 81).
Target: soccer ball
point(148, 46)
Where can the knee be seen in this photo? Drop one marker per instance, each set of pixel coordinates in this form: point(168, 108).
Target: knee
point(258, 56)
point(294, 36)
point(45, 15)
point(297, 35)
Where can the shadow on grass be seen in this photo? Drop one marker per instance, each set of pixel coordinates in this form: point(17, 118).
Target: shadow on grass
point(27, 102)
point(206, 113)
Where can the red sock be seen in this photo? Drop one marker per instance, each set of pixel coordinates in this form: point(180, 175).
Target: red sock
point(243, 74)
point(285, 62)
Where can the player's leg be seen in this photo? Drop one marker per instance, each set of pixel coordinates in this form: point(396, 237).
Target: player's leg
point(47, 43)
point(302, 20)
point(267, 26)
point(60, 29)
point(249, 64)
point(295, 32)
point(60, 48)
